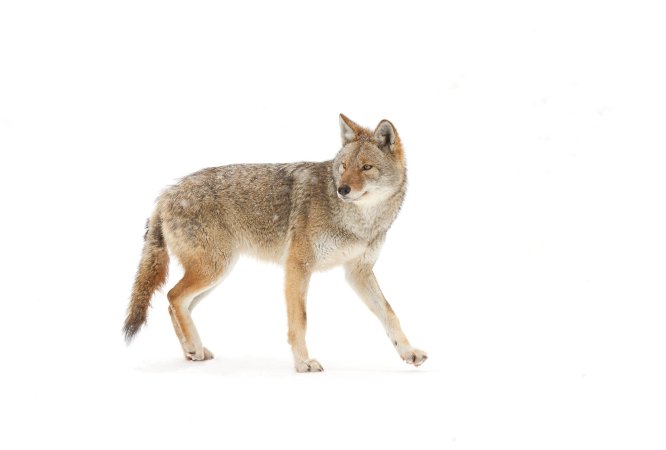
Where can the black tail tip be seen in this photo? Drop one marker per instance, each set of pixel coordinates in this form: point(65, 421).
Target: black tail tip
point(129, 331)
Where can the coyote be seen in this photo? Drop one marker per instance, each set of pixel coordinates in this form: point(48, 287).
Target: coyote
point(308, 216)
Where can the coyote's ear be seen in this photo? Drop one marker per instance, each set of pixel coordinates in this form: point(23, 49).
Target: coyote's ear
point(385, 135)
point(348, 129)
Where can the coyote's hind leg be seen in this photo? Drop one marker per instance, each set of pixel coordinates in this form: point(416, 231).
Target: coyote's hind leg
point(181, 337)
point(198, 281)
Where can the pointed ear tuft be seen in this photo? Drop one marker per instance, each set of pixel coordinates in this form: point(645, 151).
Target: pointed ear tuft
point(348, 129)
point(386, 135)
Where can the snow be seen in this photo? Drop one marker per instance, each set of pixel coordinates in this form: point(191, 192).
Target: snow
point(528, 260)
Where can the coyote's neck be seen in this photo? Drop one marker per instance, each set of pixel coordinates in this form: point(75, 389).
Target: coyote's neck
point(368, 220)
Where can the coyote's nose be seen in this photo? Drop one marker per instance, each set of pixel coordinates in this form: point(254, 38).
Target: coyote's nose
point(344, 190)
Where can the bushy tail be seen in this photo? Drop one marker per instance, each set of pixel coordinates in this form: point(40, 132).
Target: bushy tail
point(150, 276)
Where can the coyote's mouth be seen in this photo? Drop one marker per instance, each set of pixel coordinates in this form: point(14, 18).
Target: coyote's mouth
point(346, 198)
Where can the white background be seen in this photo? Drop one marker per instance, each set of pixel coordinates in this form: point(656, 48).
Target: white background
point(529, 258)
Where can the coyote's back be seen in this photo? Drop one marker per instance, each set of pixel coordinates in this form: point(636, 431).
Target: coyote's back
point(244, 208)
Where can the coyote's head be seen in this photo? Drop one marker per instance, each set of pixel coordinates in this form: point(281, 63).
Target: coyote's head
point(370, 167)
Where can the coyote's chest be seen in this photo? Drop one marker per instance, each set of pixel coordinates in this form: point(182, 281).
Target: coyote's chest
point(332, 250)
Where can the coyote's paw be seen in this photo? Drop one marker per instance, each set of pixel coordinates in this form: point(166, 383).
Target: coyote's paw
point(310, 365)
point(414, 356)
point(199, 356)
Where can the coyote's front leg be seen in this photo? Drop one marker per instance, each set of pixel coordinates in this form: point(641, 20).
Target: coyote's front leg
point(296, 287)
point(362, 279)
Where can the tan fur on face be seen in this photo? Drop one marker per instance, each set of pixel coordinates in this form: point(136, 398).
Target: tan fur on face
point(353, 178)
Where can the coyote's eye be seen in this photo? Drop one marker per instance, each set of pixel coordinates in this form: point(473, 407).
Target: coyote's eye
point(367, 167)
